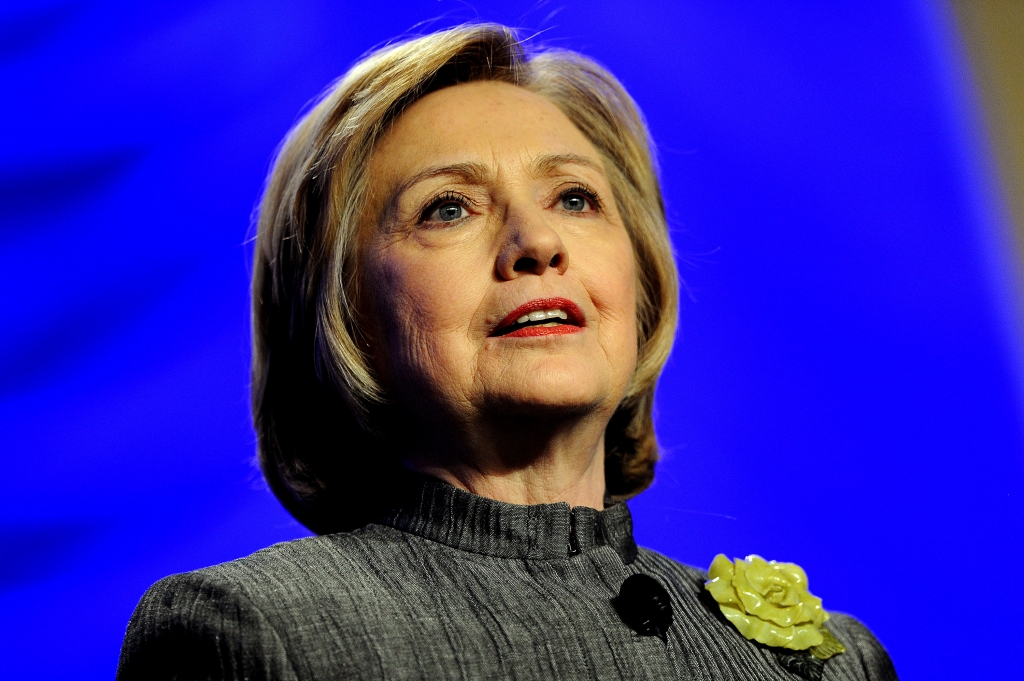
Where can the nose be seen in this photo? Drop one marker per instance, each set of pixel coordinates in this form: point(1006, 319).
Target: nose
point(531, 246)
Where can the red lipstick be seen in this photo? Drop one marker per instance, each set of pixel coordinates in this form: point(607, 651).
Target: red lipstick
point(507, 327)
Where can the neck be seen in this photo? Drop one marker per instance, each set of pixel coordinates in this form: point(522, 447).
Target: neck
point(524, 463)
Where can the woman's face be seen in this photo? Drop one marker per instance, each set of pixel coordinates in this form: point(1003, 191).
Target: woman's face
point(500, 275)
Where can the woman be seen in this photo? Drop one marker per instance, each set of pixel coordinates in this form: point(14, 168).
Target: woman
point(463, 296)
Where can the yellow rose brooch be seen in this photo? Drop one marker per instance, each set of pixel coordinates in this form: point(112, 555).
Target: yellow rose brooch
point(768, 602)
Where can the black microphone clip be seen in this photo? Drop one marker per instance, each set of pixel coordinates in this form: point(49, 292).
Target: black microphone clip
point(644, 606)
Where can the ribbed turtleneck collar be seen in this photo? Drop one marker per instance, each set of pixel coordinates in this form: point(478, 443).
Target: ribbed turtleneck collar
point(440, 512)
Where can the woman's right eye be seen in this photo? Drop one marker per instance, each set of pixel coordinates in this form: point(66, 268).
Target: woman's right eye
point(448, 208)
point(448, 212)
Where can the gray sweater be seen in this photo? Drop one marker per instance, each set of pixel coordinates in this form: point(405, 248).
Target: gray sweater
point(456, 586)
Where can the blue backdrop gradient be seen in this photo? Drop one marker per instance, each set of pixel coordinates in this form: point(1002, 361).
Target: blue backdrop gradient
point(844, 393)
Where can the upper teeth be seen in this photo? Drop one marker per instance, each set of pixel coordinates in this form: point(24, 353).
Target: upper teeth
point(540, 315)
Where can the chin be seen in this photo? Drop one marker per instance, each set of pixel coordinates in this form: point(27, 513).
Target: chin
point(550, 394)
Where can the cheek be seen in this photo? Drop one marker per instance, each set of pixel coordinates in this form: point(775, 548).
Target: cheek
point(612, 285)
point(423, 308)
point(612, 281)
point(624, 345)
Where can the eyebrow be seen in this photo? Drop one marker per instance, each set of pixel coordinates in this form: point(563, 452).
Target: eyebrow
point(477, 173)
point(470, 172)
point(549, 162)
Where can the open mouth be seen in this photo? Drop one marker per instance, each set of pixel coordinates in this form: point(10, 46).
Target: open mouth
point(543, 317)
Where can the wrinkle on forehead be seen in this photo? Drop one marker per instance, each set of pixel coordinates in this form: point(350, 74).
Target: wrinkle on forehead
point(496, 110)
point(479, 174)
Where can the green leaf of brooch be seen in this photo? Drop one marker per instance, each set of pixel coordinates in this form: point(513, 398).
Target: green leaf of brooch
point(769, 602)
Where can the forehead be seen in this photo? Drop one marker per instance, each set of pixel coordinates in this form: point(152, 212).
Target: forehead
point(485, 122)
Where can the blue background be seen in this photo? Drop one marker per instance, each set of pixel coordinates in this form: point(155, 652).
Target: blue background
point(845, 391)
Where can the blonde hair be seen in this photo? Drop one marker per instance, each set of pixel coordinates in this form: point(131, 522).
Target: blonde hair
point(317, 406)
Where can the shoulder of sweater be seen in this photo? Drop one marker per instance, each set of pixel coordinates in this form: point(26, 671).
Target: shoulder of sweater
point(283, 566)
point(188, 624)
point(349, 562)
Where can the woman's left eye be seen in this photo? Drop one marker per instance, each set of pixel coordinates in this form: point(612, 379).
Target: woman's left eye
point(574, 202)
point(578, 201)
point(449, 212)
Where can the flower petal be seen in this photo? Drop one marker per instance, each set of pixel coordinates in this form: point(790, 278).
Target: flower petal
point(721, 567)
point(747, 594)
point(804, 637)
point(767, 601)
point(722, 591)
